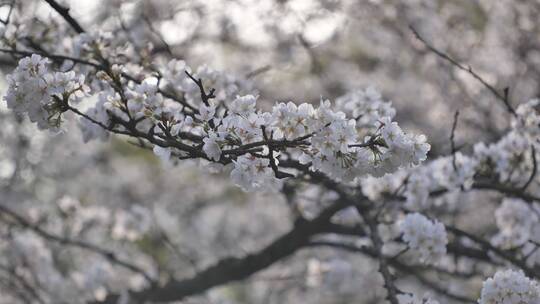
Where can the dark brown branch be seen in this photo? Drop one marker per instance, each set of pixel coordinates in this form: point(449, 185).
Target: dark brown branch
point(53, 57)
point(64, 12)
point(154, 31)
point(258, 71)
point(531, 272)
point(534, 170)
point(273, 165)
point(487, 185)
point(510, 191)
point(233, 268)
point(452, 140)
point(204, 95)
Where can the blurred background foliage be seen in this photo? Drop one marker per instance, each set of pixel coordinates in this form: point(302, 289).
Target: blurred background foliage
point(299, 50)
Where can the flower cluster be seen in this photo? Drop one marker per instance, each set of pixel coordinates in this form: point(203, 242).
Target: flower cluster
point(337, 146)
point(251, 173)
point(517, 223)
point(225, 86)
point(366, 106)
point(41, 94)
point(226, 130)
point(510, 287)
point(528, 119)
point(98, 112)
point(448, 173)
point(88, 45)
point(426, 238)
point(451, 173)
point(509, 160)
point(321, 137)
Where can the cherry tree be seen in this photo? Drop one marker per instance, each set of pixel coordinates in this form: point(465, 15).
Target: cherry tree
point(362, 207)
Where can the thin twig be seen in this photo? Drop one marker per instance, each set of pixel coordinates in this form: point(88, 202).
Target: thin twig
point(204, 96)
point(532, 272)
point(64, 12)
point(53, 57)
point(109, 255)
point(534, 170)
point(503, 97)
point(273, 165)
point(157, 34)
point(258, 71)
point(452, 140)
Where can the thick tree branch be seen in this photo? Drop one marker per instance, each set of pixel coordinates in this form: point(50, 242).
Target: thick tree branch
point(234, 268)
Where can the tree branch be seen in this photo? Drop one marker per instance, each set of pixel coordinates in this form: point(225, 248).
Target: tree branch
point(64, 12)
point(109, 255)
point(502, 97)
point(234, 268)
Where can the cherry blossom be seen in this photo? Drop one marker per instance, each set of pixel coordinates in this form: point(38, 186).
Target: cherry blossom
point(511, 287)
point(425, 237)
